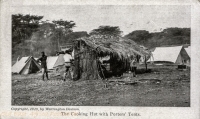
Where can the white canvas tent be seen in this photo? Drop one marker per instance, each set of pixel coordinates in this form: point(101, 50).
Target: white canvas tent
point(188, 50)
point(26, 65)
point(55, 61)
point(176, 54)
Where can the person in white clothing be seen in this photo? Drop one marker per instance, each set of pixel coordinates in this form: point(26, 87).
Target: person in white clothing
point(133, 66)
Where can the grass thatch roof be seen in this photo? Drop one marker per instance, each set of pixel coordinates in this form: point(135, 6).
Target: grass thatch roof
point(106, 45)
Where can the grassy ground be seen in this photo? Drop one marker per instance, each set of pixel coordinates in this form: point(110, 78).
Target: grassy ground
point(164, 86)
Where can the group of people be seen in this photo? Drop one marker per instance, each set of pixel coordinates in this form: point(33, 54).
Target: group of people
point(43, 61)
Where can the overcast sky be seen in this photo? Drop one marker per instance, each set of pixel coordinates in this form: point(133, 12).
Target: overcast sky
point(152, 18)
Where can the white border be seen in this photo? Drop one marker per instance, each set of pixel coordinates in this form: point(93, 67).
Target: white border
point(146, 112)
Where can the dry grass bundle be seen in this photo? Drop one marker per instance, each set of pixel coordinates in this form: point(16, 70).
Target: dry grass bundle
point(107, 45)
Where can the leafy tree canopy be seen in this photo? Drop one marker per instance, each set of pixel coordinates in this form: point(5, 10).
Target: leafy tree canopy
point(64, 26)
point(107, 30)
point(23, 26)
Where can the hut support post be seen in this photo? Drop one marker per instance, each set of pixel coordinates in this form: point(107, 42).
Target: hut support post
point(145, 62)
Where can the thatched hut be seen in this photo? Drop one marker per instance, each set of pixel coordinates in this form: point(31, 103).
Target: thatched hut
point(88, 50)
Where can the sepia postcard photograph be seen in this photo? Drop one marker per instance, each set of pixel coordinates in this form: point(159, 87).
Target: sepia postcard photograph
point(101, 55)
point(101, 59)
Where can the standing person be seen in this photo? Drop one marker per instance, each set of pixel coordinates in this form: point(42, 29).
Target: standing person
point(67, 70)
point(43, 61)
point(133, 66)
point(66, 73)
point(72, 69)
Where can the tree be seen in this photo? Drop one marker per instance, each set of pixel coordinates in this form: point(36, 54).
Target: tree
point(139, 36)
point(23, 26)
point(169, 36)
point(107, 30)
point(63, 28)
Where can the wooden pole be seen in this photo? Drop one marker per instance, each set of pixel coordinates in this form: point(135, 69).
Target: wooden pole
point(146, 63)
point(59, 42)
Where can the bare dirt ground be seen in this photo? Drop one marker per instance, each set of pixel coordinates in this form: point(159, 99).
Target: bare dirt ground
point(164, 86)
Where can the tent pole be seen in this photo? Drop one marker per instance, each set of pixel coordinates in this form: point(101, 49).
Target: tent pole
point(59, 42)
